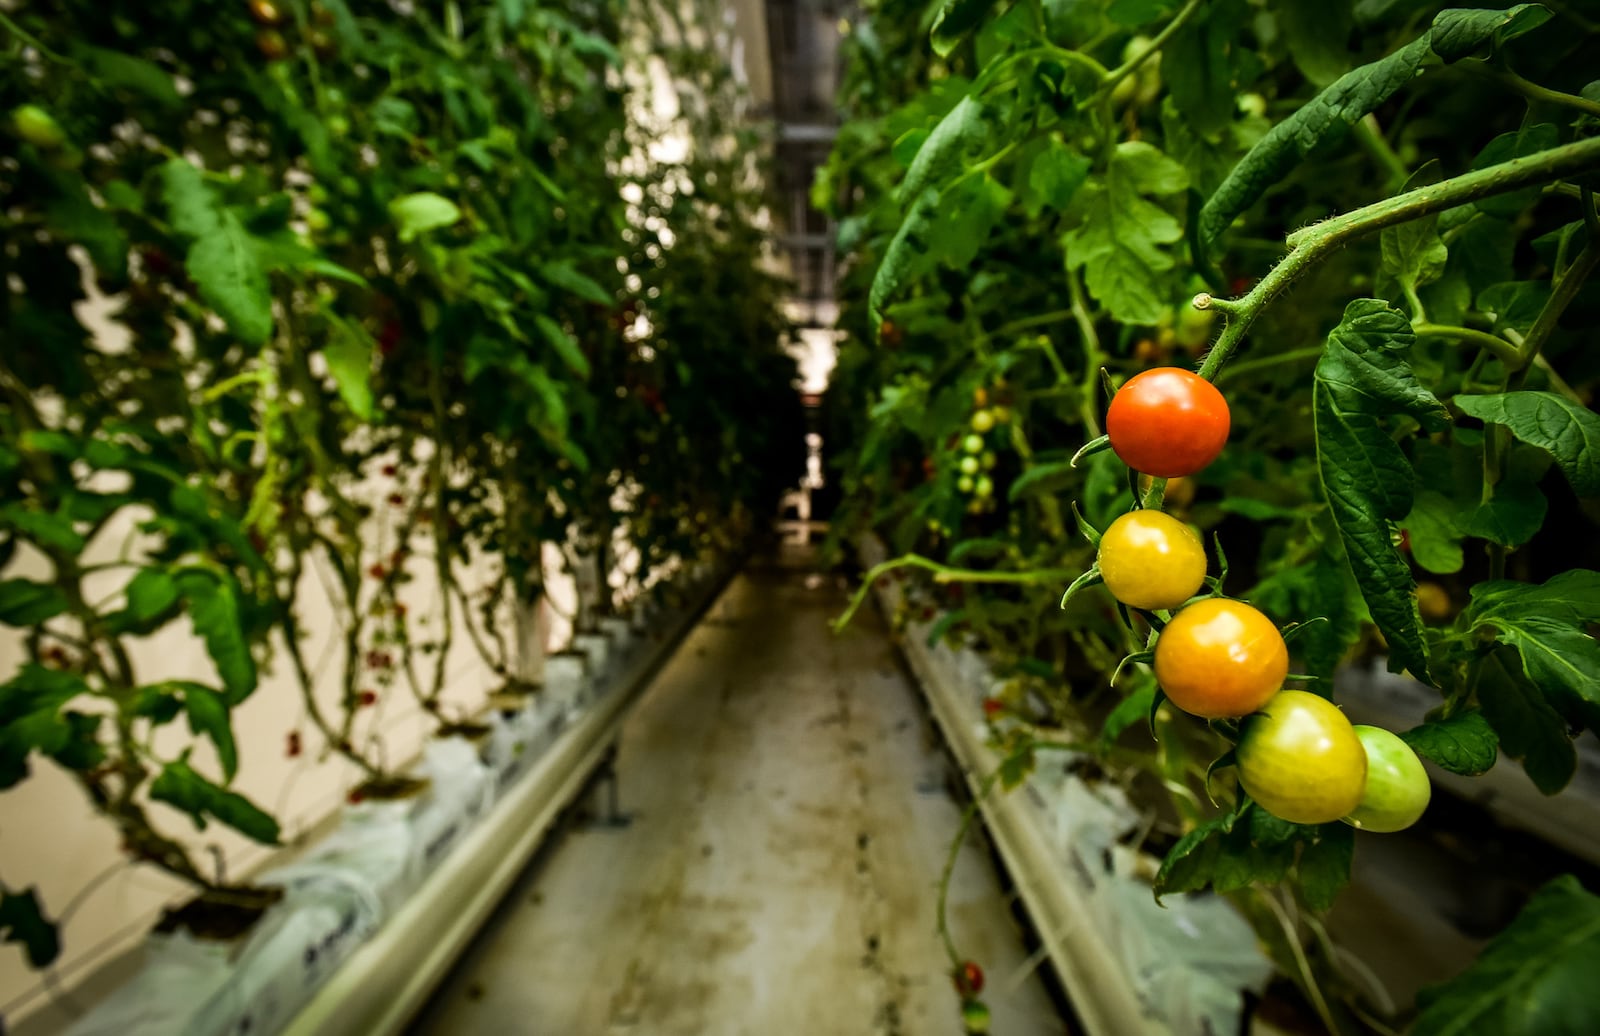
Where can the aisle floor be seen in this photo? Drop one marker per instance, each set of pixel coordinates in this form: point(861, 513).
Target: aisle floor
point(790, 816)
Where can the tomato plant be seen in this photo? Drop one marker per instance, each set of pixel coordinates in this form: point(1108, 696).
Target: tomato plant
point(1299, 758)
point(1374, 233)
point(365, 360)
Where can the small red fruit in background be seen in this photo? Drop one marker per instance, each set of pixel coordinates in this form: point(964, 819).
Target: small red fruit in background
point(968, 978)
point(992, 708)
point(294, 746)
point(367, 698)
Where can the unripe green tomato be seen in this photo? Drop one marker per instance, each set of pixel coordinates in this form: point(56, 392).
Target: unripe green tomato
point(1001, 412)
point(338, 125)
point(984, 487)
point(975, 1017)
point(1253, 105)
point(982, 421)
point(1397, 791)
point(1194, 326)
point(38, 127)
point(1300, 759)
point(987, 460)
point(972, 444)
point(969, 465)
point(964, 483)
point(1151, 560)
point(317, 221)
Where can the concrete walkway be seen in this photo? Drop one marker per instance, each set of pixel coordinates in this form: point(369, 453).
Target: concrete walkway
point(790, 819)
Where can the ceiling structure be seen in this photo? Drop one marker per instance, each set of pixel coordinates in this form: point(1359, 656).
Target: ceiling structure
point(790, 63)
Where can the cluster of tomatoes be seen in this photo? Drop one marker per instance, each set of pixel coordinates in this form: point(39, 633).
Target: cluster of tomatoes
point(968, 980)
point(975, 480)
point(1297, 757)
point(269, 16)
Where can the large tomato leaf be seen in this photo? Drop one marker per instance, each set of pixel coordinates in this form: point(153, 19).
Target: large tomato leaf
point(1547, 627)
point(1363, 377)
point(1122, 239)
point(1536, 978)
point(1455, 34)
point(963, 128)
point(907, 255)
point(1465, 743)
point(1568, 430)
point(180, 786)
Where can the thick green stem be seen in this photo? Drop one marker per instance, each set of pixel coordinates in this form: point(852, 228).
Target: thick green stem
point(1501, 348)
point(1315, 243)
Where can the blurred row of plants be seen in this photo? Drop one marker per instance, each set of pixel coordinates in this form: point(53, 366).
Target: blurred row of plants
point(306, 301)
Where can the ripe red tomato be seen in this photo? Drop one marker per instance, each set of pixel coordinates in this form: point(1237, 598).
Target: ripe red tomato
point(1301, 760)
point(1167, 422)
point(1397, 790)
point(968, 978)
point(1151, 560)
point(1220, 659)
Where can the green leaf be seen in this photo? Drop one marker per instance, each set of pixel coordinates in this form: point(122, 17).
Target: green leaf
point(1015, 768)
point(1511, 518)
point(1325, 864)
point(1123, 240)
point(1189, 865)
point(1196, 68)
point(1570, 432)
point(964, 127)
point(1413, 252)
point(213, 604)
point(907, 255)
point(1043, 478)
point(565, 345)
point(954, 20)
point(1054, 177)
point(349, 357)
point(1536, 978)
point(1515, 304)
point(53, 531)
point(973, 207)
point(1362, 377)
point(1528, 728)
point(946, 622)
point(1526, 140)
point(22, 921)
point(1435, 538)
point(1455, 34)
point(568, 277)
point(1320, 587)
point(418, 213)
point(1465, 743)
point(116, 69)
point(31, 719)
point(208, 715)
point(180, 786)
point(1572, 597)
point(1130, 710)
point(24, 602)
point(1133, 13)
point(226, 266)
point(1318, 35)
point(1461, 34)
point(191, 208)
point(75, 217)
point(152, 593)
